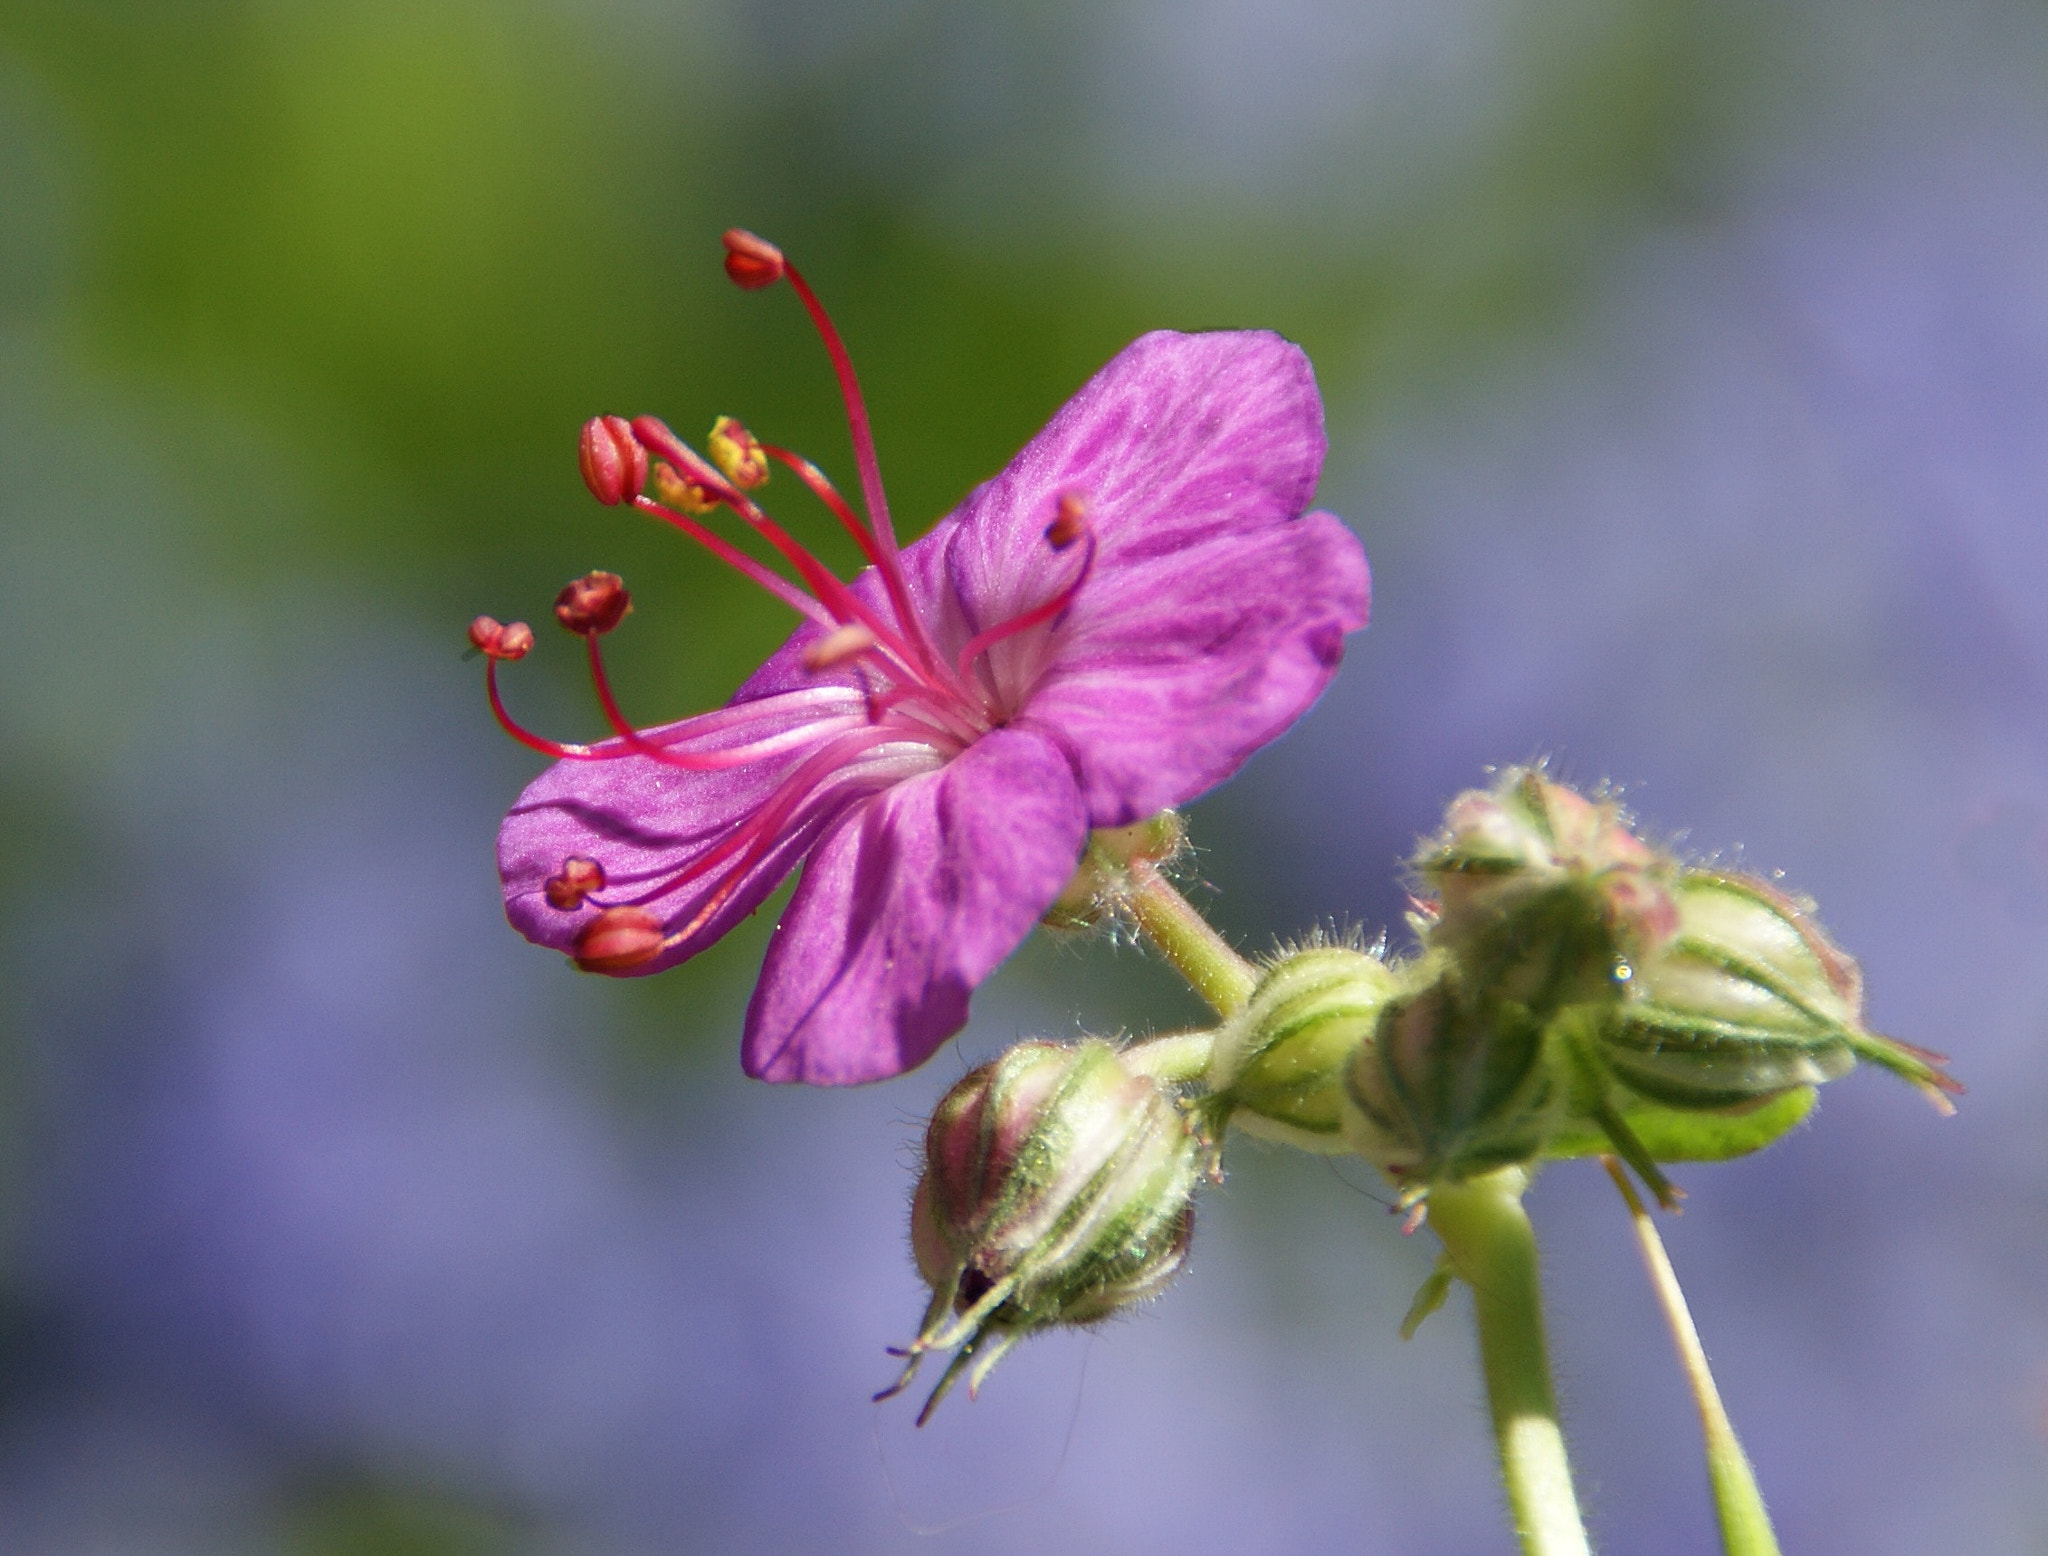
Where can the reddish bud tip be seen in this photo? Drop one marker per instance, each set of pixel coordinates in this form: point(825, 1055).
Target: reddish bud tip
point(617, 940)
point(1070, 523)
point(578, 879)
point(751, 262)
point(490, 636)
point(614, 464)
point(679, 491)
point(738, 453)
point(593, 604)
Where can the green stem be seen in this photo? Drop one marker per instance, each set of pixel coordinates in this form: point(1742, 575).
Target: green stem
point(1187, 940)
point(1487, 1235)
point(1738, 1504)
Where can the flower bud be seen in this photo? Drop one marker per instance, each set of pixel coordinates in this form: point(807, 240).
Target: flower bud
point(613, 462)
point(1279, 1063)
point(1748, 1001)
point(1451, 1085)
point(1057, 1189)
point(737, 453)
point(752, 262)
point(1543, 896)
point(593, 604)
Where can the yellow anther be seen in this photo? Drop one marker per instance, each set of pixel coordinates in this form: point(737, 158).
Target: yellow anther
point(738, 453)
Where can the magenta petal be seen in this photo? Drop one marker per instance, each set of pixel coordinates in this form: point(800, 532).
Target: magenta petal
point(910, 902)
point(1180, 439)
point(1168, 675)
point(644, 822)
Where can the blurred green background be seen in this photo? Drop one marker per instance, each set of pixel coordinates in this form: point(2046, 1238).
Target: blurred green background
point(335, 1220)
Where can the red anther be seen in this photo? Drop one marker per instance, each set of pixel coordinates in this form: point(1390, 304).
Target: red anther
point(617, 940)
point(593, 604)
point(679, 491)
point(614, 464)
point(1070, 524)
point(752, 262)
point(578, 879)
point(491, 637)
point(738, 453)
point(838, 646)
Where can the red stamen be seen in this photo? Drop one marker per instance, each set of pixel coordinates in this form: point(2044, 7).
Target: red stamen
point(678, 492)
point(751, 262)
point(617, 940)
point(856, 411)
point(593, 604)
point(614, 466)
point(982, 642)
point(835, 596)
point(760, 832)
point(705, 761)
point(828, 494)
point(527, 737)
point(762, 827)
point(762, 264)
point(739, 561)
point(487, 635)
point(577, 880)
point(737, 453)
point(816, 576)
point(891, 573)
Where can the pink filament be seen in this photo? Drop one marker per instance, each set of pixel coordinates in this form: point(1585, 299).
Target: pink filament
point(982, 642)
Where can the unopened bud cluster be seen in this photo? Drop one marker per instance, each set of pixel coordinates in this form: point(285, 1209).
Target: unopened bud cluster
point(1572, 983)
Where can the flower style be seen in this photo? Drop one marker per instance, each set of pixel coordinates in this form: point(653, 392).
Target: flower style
point(1108, 628)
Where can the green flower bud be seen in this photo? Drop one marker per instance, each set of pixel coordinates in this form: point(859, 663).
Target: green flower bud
point(1452, 1084)
point(1748, 1001)
point(1279, 1063)
point(1058, 1189)
point(1541, 895)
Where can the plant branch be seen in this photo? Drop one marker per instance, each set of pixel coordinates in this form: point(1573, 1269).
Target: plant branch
point(1489, 1240)
point(1738, 1504)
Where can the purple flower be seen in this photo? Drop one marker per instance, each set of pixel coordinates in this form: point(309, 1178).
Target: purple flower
point(1108, 628)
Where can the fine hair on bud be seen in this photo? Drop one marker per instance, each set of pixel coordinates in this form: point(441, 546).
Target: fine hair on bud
point(1280, 1062)
point(1540, 894)
point(1102, 882)
point(1057, 1189)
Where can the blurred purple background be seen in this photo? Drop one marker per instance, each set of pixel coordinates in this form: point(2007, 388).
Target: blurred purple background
point(1688, 382)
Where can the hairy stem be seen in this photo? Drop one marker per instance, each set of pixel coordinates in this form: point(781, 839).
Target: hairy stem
point(1489, 1240)
point(1187, 940)
point(1738, 1504)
